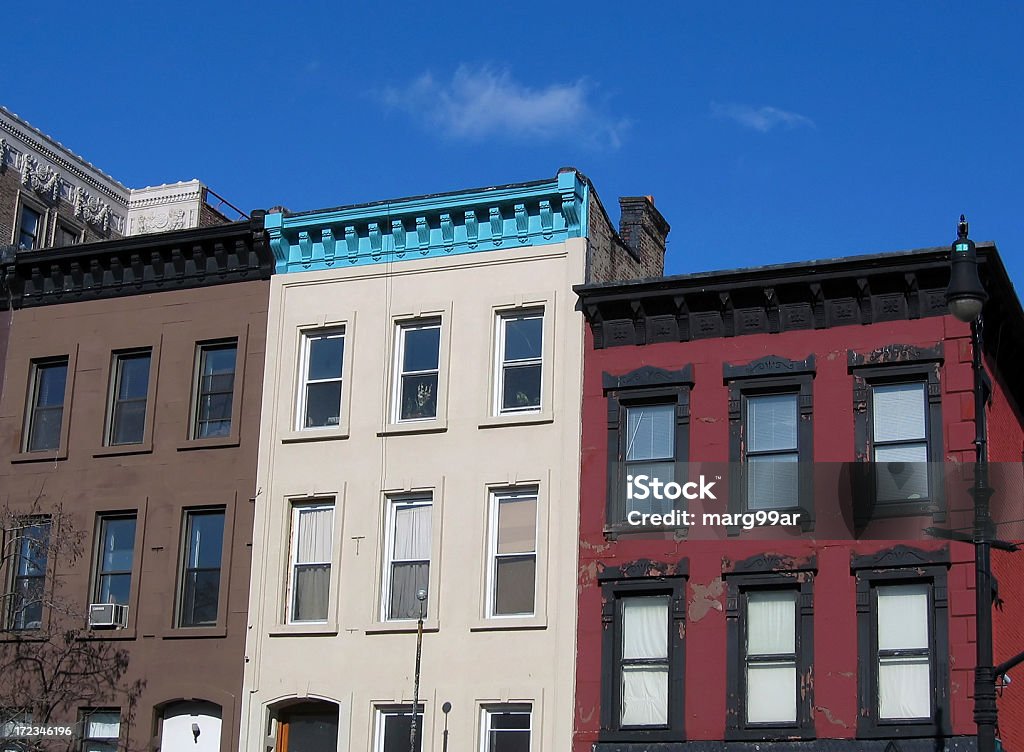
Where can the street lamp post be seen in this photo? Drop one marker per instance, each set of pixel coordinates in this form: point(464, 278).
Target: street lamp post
point(966, 297)
point(421, 596)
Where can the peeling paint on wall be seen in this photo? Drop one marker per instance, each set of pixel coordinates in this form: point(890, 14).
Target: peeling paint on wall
point(705, 598)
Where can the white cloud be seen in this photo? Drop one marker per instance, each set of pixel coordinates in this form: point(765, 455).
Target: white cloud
point(761, 119)
point(482, 102)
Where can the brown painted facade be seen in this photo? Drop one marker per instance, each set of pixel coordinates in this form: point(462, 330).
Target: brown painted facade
point(184, 299)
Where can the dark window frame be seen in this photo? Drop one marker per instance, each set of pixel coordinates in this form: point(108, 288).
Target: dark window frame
point(196, 419)
point(87, 742)
point(32, 407)
point(114, 402)
point(636, 580)
point(896, 364)
point(644, 386)
point(39, 239)
point(771, 375)
point(98, 571)
point(897, 566)
point(766, 572)
point(16, 608)
point(185, 570)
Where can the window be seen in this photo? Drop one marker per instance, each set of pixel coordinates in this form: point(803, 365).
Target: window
point(417, 362)
point(897, 408)
point(512, 580)
point(772, 451)
point(68, 236)
point(200, 579)
point(308, 727)
point(407, 569)
point(899, 439)
point(642, 652)
point(46, 402)
point(323, 353)
point(115, 559)
point(101, 730)
point(903, 641)
point(311, 552)
point(520, 348)
point(394, 726)
point(9, 718)
point(30, 545)
point(30, 229)
point(506, 728)
point(129, 390)
point(648, 434)
point(771, 436)
point(770, 641)
point(216, 390)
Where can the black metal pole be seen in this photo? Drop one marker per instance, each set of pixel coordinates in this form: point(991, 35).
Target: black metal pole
point(416, 680)
point(985, 712)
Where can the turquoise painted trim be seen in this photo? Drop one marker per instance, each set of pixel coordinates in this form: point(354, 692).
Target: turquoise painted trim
point(485, 219)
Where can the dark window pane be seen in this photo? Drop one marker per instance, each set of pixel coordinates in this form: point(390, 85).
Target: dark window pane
point(216, 407)
point(200, 598)
point(523, 338)
point(118, 544)
point(323, 404)
point(521, 387)
point(53, 378)
point(421, 349)
point(133, 382)
point(509, 741)
point(129, 422)
point(115, 588)
point(510, 720)
point(33, 549)
point(406, 579)
point(206, 540)
point(419, 397)
point(325, 357)
point(27, 602)
point(214, 428)
point(514, 584)
point(44, 432)
point(220, 359)
point(396, 731)
point(312, 731)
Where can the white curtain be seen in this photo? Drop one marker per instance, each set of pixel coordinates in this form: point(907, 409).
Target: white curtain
point(902, 471)
point(898, 411)
point(650, 432)
point(904, 682)
point(316, 526)
point(412, 532)
point(771, 422)
point(644, 696)
point(771, 692)
point(645, 636)
point(104, 726)
point(771, 622)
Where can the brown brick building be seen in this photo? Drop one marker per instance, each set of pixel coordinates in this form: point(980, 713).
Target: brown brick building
point(128, 442)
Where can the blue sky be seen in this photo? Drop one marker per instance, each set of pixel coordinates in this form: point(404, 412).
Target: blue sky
point(766, 132)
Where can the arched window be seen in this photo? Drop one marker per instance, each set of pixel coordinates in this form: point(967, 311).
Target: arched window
point(307, 727)
point(190, 727)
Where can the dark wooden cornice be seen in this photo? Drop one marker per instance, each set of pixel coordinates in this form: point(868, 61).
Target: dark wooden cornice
point(142, 264)
point(809, 295)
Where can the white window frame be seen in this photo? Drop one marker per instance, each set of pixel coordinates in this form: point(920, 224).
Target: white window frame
point(307, 338)
point(293, 545)
point(393, 502)
point(401, 328)
point(522, 708)
point(397, 710)
point(500, 364)
point(497, 496)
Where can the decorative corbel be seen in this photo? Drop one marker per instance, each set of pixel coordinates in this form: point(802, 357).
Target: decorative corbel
point(305, 248)
point(375, 240)
point(328, 242)
point(497, 225)
point(522, 223)
point(398, 237)
point(547, 220)
point(447, 232)
point(351, 243)
point(423, 234)
point(472, 229)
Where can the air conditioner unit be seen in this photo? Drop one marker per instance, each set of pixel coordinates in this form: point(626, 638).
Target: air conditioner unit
point(108, 616)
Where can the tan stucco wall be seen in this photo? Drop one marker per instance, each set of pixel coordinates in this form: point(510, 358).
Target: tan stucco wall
point(355, 659)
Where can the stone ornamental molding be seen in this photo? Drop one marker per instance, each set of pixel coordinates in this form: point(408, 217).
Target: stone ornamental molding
point(503, 217)
point(92, 210)
point(43, 179)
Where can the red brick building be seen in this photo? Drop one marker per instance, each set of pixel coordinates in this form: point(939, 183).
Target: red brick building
point(837, 390)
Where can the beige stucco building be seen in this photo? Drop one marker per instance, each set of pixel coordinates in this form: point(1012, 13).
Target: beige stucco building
point(421, 437)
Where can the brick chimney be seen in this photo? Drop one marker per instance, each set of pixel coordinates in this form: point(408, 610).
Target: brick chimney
point(644, 230)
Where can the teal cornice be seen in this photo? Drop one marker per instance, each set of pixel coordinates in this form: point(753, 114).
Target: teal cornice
point(485, 219)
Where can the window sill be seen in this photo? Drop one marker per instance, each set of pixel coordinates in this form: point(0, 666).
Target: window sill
point(123, 449)
point(107, 635)
point(218, 442)
point(649, 532)
point(50, 455)
point(314, 434)
point(401, 627)
point(518, 419)
point(194, 633)
point(401, 429)
point(770, 733)
point(304, 630)
point(501, 623)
